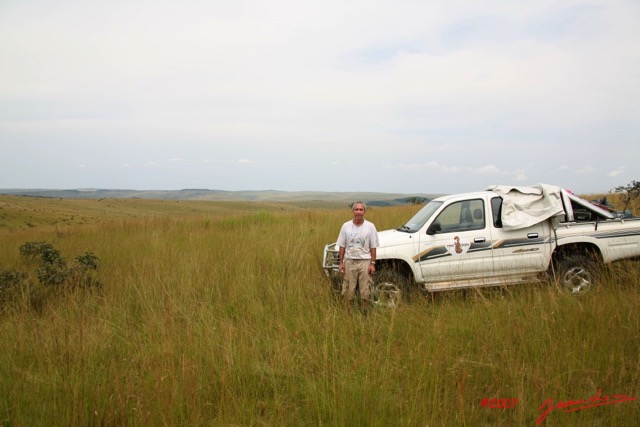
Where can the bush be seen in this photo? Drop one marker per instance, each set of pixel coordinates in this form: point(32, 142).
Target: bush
point(11, 283)
point(630, 193)
point(53, 272)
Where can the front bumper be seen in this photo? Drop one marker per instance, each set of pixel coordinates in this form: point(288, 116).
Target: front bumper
point(331, 263)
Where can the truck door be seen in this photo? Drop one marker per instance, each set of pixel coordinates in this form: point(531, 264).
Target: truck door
point(518, 252)
point(458, 246)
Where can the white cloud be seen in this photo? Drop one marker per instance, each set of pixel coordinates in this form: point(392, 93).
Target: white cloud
point(521, 176)
point(488, 170)
point(620, 170)
point(587, 169)
point(444, 169)
point(432, 166)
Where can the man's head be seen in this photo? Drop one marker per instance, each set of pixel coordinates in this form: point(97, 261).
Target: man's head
point(359, 208)
point(359, 204)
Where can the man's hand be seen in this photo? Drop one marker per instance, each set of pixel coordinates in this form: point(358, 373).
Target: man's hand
point(341, 268)
point(372, 269)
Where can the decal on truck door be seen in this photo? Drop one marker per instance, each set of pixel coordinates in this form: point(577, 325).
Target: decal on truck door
point(458, 247)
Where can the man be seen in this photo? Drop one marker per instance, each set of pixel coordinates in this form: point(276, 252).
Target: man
point(358, 240)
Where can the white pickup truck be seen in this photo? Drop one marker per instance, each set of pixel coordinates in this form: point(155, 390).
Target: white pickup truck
point(504, 235)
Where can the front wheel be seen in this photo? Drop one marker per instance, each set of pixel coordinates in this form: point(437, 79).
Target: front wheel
point(577, 274)
point(389, 288)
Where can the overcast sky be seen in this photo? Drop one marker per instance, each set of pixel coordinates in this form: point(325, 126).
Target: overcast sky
point(333, 95)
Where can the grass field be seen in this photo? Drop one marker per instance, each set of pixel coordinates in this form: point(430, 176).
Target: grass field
point(218, 313)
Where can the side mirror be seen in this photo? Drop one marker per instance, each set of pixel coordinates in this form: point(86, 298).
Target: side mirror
point(434, 228)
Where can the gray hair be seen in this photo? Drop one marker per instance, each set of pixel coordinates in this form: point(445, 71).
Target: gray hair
point(359, 202)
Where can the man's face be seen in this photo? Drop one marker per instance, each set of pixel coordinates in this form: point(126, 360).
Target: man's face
point(358, 211)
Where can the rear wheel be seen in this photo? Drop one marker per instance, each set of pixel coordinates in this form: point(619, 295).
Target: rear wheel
point(390, 287)
point(577, 274)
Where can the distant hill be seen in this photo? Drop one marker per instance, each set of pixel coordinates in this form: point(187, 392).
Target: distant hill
point(372, 198)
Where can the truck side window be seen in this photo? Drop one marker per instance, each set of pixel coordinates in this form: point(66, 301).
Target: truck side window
point(496, 211)
point(466, 215)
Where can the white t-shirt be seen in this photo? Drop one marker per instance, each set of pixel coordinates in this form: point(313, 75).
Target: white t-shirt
point(358, 240)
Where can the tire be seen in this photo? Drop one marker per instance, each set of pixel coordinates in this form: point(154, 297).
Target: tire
point(576, 274)
point(390, 288)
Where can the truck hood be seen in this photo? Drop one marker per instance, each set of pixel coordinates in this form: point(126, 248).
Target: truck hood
point(392, 240)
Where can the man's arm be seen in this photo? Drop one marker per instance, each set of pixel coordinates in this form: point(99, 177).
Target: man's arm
point(341, 259)
point(372, 265)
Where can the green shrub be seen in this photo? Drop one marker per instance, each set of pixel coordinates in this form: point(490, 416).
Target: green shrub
point(11, 283)
point(54, 270)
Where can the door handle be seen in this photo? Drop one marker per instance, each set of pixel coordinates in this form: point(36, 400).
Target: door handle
point(532, 235)
point(479, 240)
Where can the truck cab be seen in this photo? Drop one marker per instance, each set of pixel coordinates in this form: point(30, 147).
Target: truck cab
point(459, 241)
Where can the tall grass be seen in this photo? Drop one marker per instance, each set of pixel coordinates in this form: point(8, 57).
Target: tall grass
point(227, 319)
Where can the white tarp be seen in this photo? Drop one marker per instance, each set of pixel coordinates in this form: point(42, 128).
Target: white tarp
point(526, 206)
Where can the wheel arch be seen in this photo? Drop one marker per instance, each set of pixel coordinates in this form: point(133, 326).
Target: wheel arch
point(589, 250)
point(398, 265)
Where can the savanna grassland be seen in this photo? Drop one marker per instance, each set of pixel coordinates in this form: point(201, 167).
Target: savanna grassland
point(218, 313)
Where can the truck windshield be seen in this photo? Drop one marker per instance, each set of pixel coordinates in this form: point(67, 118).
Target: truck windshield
point(419, 219)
